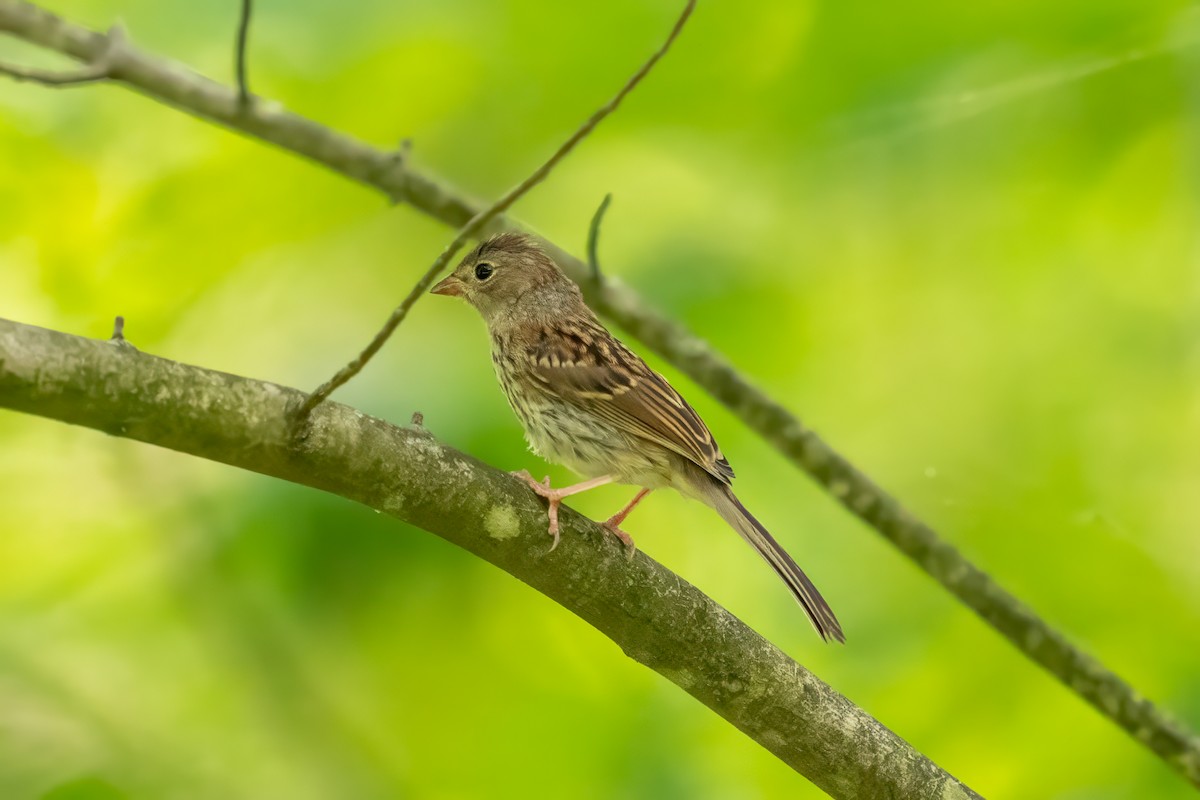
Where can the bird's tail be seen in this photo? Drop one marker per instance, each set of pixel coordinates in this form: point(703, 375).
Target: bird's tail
point(728, 506)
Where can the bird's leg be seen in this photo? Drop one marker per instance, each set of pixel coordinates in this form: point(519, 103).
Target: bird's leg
point(614, 522)
point(555, 496)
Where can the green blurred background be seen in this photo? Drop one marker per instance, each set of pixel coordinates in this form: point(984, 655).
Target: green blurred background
point(957, 239)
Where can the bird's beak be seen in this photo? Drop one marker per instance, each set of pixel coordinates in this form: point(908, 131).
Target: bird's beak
point(450, 286)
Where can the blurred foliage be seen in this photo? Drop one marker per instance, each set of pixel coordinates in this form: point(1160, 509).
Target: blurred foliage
point(957, 239)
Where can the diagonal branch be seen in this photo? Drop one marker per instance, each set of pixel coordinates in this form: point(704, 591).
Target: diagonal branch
point(174, 84)
point(651, 613)
point(481, 218)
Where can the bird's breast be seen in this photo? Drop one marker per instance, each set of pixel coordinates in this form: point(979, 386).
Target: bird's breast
point(565, 434)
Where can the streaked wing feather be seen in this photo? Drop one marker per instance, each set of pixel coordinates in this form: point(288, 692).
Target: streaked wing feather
point(587, 367)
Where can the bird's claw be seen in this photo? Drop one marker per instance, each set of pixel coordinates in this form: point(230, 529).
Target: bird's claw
point(626, 539)
point(542, 489)
point(554, 499)
point(553, 514)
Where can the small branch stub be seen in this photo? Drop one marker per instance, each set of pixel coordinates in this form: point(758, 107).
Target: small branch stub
point(118, 334)
point(593, 240)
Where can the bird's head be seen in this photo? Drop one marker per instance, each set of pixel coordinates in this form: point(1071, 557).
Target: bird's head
point(509, 278)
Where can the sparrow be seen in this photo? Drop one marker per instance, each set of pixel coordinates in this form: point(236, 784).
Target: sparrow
point(590, 403)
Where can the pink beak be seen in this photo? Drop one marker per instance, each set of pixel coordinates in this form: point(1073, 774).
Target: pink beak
point(449, 286)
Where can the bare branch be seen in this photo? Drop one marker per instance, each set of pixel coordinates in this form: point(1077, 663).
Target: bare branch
point(593, 240)
point(46, 77)
point(239, 56)
point(652, 614)
point(172, 83)
point(100, 68)
point(480, 219)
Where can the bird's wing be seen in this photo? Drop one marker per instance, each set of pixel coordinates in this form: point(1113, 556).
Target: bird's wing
point(588, 367)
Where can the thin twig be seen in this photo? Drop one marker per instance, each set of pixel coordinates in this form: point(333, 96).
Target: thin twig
point(73, 77)
point(239, 56)
point(594, 237)
point(476, 223)
point(100, 68)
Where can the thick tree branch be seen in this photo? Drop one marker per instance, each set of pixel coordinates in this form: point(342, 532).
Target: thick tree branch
point(174, 84)
point(482, 217)
point(652, 614)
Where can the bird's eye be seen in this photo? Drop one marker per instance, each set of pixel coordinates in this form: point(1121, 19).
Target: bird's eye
point(483, 271)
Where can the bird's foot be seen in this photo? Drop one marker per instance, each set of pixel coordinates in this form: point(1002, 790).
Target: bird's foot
point(542, 489)
point(612, 527)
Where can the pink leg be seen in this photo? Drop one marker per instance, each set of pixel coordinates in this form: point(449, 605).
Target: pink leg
point(614, 522)
point(555, 496)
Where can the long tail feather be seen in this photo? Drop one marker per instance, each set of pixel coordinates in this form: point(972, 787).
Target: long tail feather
point(742, 521)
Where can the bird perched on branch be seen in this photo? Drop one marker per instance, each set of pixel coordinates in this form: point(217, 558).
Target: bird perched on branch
point(590, 403)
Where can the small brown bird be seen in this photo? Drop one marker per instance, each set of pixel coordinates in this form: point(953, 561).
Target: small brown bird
point(588, 402)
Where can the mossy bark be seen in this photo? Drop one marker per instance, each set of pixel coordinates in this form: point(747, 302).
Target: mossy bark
point(653, 615)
